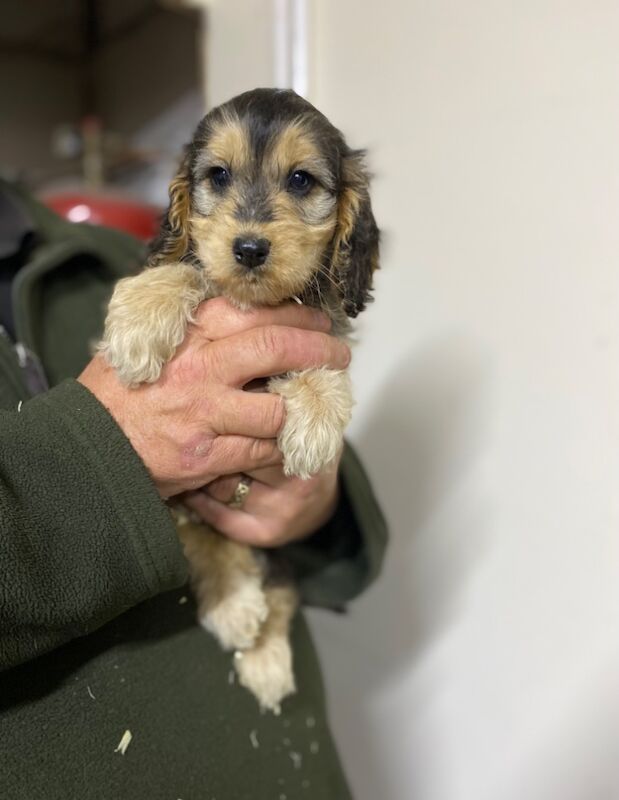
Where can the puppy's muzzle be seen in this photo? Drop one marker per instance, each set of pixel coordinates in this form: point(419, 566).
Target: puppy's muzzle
point(251, 253)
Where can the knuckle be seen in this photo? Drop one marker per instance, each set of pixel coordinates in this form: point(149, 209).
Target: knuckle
point(219, 310)
point(186, 369)
point(269, 342)
point(313, 347)
point(217, 305)
point(258, 450)
point(203, 313)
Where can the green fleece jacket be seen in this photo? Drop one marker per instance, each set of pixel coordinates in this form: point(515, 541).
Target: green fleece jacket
point(97, 626)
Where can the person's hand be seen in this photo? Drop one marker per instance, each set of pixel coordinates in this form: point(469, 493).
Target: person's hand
point(195, 423)
point(277, 509)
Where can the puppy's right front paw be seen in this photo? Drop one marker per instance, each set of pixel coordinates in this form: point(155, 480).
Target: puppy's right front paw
point(147, 320)
point(133, 352)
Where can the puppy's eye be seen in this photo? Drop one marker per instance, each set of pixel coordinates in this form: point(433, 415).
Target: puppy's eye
point(300, 182)
point(220, 177)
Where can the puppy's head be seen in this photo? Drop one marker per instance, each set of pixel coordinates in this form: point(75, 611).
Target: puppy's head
point(272, 203)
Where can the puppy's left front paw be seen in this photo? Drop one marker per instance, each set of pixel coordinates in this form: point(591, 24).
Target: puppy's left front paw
point(318, 408)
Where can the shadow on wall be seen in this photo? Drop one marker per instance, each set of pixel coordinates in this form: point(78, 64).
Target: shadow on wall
point(426, 435)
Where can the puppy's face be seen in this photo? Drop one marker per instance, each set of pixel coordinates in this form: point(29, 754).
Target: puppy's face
point(272, 203)
point(264, 203)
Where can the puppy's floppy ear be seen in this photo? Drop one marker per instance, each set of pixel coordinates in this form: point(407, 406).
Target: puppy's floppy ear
point(173, 240)
point(355, 245)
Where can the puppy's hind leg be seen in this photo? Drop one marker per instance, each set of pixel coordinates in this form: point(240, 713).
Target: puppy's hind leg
point(227, 579)
point(266, 668)
point(147, 320)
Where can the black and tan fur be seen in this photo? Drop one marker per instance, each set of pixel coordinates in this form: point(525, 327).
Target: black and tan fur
point(269, 169)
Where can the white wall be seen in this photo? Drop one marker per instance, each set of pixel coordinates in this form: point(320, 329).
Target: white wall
point(239, 47)
point(483, 665)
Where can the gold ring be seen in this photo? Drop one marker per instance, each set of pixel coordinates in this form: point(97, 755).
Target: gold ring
point(240, 493)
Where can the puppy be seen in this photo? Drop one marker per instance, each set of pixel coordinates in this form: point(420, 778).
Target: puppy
point(269, 204)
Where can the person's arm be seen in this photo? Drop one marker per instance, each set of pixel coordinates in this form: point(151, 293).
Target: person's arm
point(83, 533)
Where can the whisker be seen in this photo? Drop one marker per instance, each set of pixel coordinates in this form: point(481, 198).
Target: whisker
point(322, 270)
point(318, 292)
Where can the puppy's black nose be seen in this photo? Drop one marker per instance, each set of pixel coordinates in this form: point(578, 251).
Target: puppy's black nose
point(251, 253)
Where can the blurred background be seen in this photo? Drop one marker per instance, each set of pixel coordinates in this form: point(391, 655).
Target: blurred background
point(97, 98)
point(484, 663)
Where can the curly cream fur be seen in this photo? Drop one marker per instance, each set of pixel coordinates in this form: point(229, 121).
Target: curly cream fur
point(147, 320)
point(318, 408)
point(227, 580)
point(266, 669)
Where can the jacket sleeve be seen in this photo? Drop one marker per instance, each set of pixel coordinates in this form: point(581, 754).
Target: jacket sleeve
point(83, 533)
point(340, 560)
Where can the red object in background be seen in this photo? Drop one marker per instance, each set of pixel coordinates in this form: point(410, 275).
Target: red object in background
point(139, 219)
